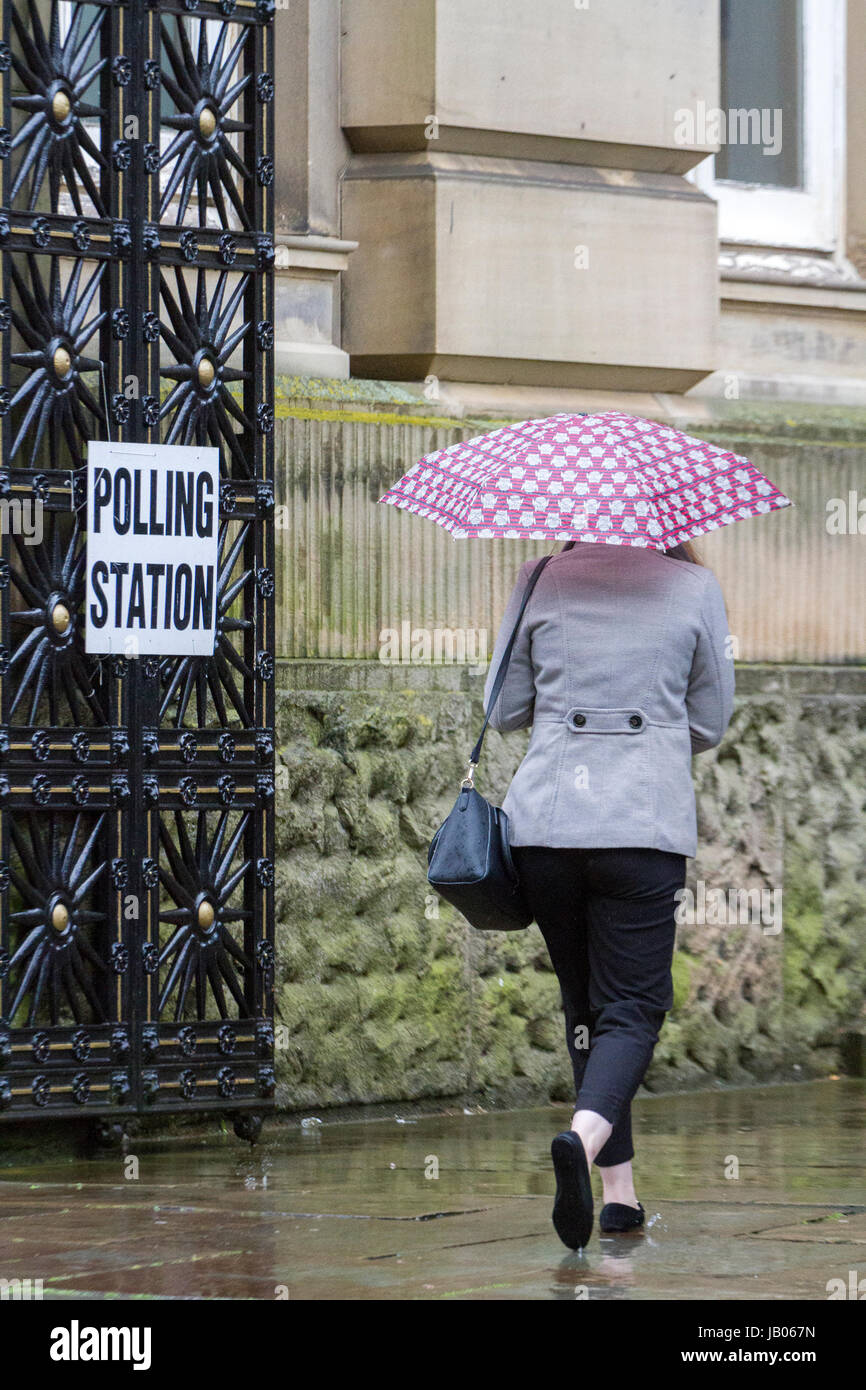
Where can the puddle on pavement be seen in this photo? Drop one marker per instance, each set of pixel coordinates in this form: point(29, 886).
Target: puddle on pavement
point(751, 1194)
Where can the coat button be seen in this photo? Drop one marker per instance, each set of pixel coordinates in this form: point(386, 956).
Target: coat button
point(635, 721)
point(579, 720)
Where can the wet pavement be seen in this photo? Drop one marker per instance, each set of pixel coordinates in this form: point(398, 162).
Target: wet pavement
point(757, 1194)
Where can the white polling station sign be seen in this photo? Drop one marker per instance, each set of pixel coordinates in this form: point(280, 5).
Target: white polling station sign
point(152, 524)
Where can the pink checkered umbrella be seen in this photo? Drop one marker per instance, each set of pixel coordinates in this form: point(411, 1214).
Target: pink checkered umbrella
point(609, 477)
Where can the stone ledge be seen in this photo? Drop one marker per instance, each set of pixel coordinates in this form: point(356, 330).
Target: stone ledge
point(753, 679)
point(476, 408)
point(333, 674)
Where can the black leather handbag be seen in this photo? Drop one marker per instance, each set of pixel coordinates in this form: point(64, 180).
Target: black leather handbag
point(469, 859)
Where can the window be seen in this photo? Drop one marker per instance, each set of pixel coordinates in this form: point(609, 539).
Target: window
point(777, 176)
point(762, 70)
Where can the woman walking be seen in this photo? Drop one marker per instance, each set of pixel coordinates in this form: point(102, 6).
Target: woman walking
point(621, 665)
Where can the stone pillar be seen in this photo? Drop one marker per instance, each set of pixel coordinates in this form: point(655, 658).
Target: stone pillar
point(516, 188)
point(310, 153)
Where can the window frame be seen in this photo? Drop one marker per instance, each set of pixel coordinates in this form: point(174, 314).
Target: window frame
point(808, 218)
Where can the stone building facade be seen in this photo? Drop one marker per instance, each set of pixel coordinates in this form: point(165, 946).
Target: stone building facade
point(494, 210)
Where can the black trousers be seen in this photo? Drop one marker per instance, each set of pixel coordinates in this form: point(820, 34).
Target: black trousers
point(607, 917)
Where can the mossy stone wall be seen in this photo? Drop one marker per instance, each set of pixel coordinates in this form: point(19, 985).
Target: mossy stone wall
point(385, 994)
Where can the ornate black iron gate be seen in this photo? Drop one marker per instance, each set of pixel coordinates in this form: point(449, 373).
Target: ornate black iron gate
point(136, 795)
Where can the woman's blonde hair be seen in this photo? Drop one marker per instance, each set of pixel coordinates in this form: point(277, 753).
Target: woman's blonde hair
point(686, 551)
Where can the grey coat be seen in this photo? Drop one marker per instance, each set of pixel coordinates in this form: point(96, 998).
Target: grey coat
point(621, 667)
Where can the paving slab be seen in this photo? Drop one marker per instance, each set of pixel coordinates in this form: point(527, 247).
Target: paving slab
point(757, 1194)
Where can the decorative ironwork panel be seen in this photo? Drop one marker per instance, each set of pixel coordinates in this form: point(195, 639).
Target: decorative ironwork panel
point(136, 796)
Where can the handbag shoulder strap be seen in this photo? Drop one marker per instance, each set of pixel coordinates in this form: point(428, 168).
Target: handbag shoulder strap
point(502, 672)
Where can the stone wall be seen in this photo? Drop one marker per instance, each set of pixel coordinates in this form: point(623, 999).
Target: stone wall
point(383, 994)
point(347, 569)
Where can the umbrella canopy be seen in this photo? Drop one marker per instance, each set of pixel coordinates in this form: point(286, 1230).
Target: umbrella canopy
point(610, 478)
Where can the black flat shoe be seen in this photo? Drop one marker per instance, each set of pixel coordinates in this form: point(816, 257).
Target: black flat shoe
point(572, 1206)
point(616, 1218)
